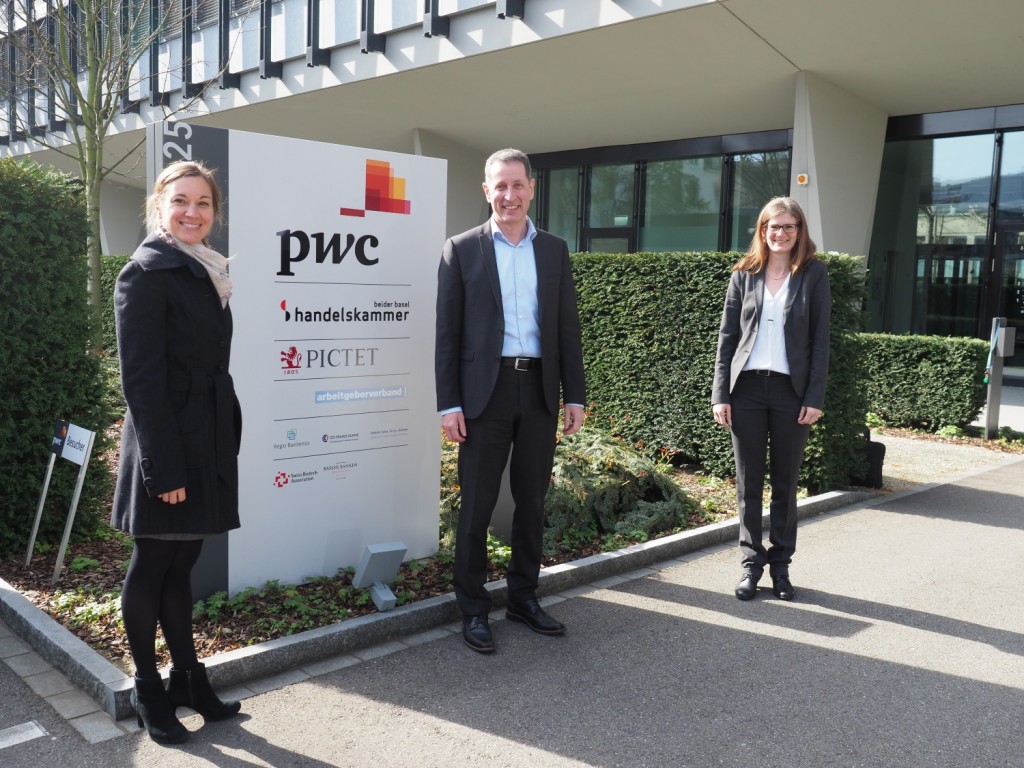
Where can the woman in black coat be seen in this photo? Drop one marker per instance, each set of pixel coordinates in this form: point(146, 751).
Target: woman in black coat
point(178, 476)
point(769, 384)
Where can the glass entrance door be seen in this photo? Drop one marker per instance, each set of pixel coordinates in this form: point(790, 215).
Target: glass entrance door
point(948, 289)
point(1010, 301)
point(610, 209)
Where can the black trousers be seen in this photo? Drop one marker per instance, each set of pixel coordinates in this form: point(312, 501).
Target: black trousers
point(764, 416)
point(516, 419)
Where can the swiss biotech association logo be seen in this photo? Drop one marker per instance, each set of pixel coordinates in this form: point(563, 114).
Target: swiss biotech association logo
point(384, 191)
point(283, 479)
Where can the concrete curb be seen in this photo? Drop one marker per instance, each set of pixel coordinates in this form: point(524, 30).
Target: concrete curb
point(84, 667)
point(110, 687)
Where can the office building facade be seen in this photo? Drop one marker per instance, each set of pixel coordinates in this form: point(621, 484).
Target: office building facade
point(654, 125)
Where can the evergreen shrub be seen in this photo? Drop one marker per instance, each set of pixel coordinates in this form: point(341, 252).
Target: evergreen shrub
point(924, 382)
point(47, 368)
point(600, 487)
point(650, 332)
point(110, 268)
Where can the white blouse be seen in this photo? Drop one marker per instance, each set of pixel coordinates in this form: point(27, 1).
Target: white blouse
point(769, 352)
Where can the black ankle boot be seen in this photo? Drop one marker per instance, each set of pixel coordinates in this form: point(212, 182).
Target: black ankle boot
point(154, 711)
point(191, 688)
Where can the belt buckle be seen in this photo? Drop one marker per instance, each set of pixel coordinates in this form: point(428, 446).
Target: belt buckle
point(525, 361)
point(762, 372)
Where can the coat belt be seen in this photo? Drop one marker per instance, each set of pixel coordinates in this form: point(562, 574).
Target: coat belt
point(223, 386)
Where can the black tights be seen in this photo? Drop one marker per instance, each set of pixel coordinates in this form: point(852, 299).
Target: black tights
point(158, 588)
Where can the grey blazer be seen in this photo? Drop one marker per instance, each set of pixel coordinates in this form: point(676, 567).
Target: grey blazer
point(471, 323)
point(806, 330)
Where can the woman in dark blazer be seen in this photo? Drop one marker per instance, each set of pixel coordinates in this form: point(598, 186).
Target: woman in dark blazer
point(769, 383)
point(178, 476)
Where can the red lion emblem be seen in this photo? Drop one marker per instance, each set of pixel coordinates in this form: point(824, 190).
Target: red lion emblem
point(291, 358)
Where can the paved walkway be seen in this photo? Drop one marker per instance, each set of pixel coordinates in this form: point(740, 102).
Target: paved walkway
point(903, 648)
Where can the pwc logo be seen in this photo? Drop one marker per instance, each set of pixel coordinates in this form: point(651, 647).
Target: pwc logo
point(385, 193)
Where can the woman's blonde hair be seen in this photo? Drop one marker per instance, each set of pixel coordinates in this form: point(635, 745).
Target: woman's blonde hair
point(179, 170)
point(757, 255)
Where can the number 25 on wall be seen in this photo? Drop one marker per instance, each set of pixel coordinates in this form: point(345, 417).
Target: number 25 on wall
point(176, 141)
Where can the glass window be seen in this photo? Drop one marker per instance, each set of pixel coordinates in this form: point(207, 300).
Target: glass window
point(6, 80)
point(757, 178)
point(952, 231)
point(207, 12)
point(170, 20)
point(1011, 287)
point(929, 237)
point(1011, 177)
point(245, 8)
point(682, 205)
point(139, 22)
point(609, 245)
point(611, 196)
point(563, 204)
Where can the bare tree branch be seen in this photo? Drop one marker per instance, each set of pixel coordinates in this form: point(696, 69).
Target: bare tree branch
point(83, 64)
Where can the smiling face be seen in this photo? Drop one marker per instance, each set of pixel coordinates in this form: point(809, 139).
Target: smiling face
point(778, 240)
point(186, 209)
point(509, 192)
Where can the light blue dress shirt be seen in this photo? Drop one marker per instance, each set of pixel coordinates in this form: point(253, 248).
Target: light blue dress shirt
point(517, 273)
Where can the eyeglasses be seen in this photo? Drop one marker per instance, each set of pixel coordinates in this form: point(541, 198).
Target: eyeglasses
point(789, 229)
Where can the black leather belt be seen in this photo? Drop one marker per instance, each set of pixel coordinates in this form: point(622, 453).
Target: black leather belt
point(764, 372)
point(521, 363)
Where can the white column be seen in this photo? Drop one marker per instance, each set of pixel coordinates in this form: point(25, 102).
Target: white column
point(466, 204)
point(838, 140)
point(121, 218)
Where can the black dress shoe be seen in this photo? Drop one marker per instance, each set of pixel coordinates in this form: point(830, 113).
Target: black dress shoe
point(747, 587)
point(532, 615)
point(782, 587)
point(477, 634)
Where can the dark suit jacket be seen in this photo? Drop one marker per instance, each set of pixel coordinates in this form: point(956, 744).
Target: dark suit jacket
point(808, 312)
point(183, 424)
point(471, 325)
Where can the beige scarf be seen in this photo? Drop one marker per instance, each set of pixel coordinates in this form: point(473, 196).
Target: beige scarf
point(215, 264)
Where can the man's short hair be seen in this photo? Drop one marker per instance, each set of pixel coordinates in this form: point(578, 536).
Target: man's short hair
point(509, 156)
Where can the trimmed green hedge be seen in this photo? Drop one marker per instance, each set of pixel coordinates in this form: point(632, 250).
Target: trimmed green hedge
point(650, 325)
point(110, 268)
point(650, 331)
point(924, 382)
point(47, 371)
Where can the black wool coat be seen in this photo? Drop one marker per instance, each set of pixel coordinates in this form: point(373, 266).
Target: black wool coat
point(183, 427)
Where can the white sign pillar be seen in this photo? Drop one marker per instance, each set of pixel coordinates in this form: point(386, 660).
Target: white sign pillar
point(335, 253)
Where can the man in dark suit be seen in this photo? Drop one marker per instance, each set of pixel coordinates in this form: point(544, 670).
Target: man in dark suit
point(508, 339)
